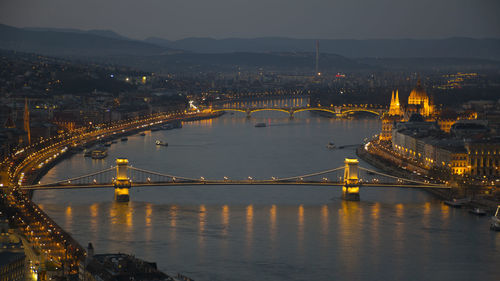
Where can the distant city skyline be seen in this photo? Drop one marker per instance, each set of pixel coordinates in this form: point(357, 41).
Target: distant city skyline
point(176, 19)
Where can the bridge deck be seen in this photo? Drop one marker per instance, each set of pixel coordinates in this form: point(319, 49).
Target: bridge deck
point(229, 182)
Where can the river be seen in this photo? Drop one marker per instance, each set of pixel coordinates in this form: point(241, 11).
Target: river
point(270, 232)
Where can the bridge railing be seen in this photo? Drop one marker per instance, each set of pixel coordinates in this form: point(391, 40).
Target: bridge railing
point(137, 176)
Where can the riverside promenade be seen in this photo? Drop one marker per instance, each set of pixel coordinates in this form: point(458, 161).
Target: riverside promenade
point(383, 159)
point(60, 253)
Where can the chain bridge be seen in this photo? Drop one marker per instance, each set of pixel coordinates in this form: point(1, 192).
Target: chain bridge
point(337, 111)
point(350, 177)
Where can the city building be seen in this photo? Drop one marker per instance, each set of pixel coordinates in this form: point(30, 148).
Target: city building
point(467, 150)
point(483, 156)
point(12, 266)
point(394, 115)
point(419, 103)
point(117, 267)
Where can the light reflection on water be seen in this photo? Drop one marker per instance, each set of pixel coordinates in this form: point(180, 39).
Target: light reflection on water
point(270, 233)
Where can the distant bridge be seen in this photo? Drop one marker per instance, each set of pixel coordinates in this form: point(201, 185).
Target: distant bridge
point(122, 177)
point(337, 111)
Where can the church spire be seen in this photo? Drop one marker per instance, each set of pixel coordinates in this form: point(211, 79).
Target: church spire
point(395, 107)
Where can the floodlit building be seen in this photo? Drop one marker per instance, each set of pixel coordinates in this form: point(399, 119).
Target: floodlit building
point(12, 266)
point(483, 157)
point(425, 143)
point(421, 104)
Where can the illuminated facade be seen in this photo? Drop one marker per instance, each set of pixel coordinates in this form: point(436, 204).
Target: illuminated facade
point(459, 163)
point(423, 143)
point(12, 266)
point(483, 157)
point(418, 103)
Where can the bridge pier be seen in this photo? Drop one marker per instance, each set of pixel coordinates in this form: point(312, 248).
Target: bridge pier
point(350, 189)
point(122, 182)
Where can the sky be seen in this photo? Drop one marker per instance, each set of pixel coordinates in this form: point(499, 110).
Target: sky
point(321, 19)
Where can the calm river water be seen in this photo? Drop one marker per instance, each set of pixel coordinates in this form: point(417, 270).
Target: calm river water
point(270, 232)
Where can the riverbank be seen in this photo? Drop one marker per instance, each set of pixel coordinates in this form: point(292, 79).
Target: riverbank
point(35, 175)
point(52, 241)
point(393, 169)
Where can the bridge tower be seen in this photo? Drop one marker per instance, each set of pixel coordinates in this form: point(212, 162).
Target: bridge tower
point(350, 190)
point(338, 111)
point(122, 181)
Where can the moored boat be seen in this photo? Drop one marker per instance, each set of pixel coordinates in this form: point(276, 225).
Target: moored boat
point(159, 142)
point(87, 152)
point(477, 211)
point(260, 125)
point(331, 145)
point(142, 134)
point(457, 203)
point(454, 203)
point(99, 154)
point(124, 139)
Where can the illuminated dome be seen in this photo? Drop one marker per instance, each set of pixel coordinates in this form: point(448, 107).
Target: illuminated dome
point(418, 95)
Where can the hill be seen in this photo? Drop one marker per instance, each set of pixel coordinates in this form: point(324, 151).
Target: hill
point(73, 44)
point(375, 48)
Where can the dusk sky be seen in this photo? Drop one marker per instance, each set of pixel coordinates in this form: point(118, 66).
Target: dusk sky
point(325, 19)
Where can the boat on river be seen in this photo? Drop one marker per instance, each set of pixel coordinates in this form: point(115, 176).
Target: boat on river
point(331, 145)
point(477, 211)
point(87, 152)
point(124, 139)
point(142, 134)
point(162, 143)
point(454, 203)
point(99, 154)
point(457, 203)
point(495, 220)
point(260, 125)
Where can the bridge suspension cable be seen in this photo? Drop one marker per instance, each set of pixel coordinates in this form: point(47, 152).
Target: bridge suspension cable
point(72, 179)
point(398, 178)
point(162, 175)
point(311, 175)
point(100, 177)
